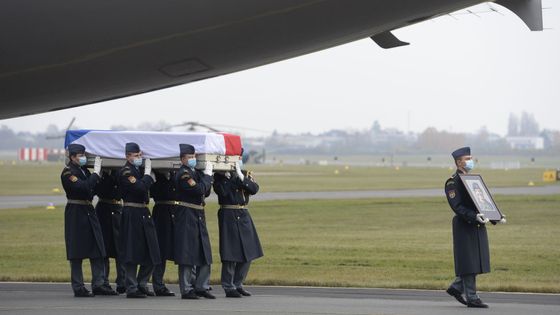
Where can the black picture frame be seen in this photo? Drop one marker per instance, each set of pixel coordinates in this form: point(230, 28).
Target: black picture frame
point(481, 196)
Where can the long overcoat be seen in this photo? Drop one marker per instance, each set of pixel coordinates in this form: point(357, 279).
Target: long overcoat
point(239, 241)
point(163, 190)
point(82, 231)
point(109, 213)
point(470, 239)
point(192, 243)
point(138, 238)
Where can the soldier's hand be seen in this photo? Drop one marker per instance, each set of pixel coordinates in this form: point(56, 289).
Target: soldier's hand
point(481, 219)
point(503, 219)
point(208, 169)
point(148, 167)
point(97, 166)
point(238, 171)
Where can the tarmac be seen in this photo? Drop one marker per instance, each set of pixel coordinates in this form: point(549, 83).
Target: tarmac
point(16, 202)
point(57, 299)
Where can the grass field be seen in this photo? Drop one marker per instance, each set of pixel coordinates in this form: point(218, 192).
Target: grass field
point(35, 179)
point(393, 243)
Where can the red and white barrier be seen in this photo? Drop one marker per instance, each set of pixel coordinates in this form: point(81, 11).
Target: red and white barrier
point(33, 154)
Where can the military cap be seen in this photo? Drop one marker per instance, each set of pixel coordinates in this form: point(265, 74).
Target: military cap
point(186, 149)
point(461, 152)
point(132, 147)
point(75, 148)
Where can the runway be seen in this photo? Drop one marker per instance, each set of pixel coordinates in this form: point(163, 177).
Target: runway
point(57, 298)
point(16, 202)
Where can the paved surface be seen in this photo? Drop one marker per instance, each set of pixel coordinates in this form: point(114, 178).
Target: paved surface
point(11, 202)
point(56, 298)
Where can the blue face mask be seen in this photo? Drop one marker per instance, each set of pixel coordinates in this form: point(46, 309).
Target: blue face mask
point(241, 164)
point(82, 160)
point(469, 165)
point(137, 162)
point(191, 163)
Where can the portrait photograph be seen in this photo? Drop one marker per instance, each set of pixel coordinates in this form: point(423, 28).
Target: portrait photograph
point(481, 196)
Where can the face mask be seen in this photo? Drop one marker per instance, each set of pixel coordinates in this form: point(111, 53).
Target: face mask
point(82, 160)
point(469, 165)
point(137, 162)
point(191, 163)
point(241, 164)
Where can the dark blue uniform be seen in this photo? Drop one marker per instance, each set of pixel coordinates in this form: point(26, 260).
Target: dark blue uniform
point(163, 193)
point(470, 240)
point(138, 239)
point(82, 231)
point(239, 241)
point(109, 211)
point(192, 243)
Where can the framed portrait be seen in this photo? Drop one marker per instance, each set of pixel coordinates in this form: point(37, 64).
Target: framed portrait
point(481, 196)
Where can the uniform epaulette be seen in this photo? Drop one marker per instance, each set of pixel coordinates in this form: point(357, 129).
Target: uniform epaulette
point(450, 181)
point(125, 171)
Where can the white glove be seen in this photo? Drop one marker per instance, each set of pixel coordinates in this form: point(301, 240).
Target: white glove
point(153, 176)
point(238, 171)
point(208, 169)
point(97, 166)
point(503, 219)
point(481, 219)
point(148, 167)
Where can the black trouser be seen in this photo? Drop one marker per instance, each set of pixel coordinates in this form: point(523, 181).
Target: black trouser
point(194, 277)
point(77, 275)
point(120, 280)
point(233, 274)
point(136, 278)
point(157, 276)
point(466, 284)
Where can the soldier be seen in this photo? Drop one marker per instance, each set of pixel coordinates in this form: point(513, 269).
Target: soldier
point(109, 210)
point(239, 242)
point(82, 232)
point(192, 244)
point(470, 240)
point(138, 239)
point(163, 193)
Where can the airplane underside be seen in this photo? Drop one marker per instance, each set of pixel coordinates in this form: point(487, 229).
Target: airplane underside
point(59, 54)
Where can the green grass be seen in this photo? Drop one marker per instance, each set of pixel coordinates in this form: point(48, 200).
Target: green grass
point(34, 179)
point(392, 243)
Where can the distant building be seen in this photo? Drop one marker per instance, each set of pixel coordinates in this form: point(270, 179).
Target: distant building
point(526, 143)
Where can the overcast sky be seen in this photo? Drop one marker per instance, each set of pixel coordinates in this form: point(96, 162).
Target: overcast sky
point(457, 74)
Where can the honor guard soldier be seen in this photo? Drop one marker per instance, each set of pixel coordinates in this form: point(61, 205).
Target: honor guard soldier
point(109, 210)
point(192, 244)
point(163, 193)
point(239, 241)
point(470, 240)
point(138, 239)
point(82, 232)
